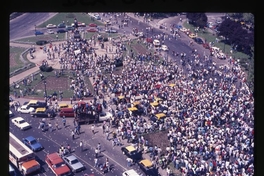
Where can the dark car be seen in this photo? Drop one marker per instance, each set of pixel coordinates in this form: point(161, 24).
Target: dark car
point(36, 104)
point(39, 33)
point(61, 31)
point(198, 40)
point(61, 25)
point(44, 113)
point(32, 143)
point(69, 28)
point(41, 42)
point(86, 118)
point(132, 153)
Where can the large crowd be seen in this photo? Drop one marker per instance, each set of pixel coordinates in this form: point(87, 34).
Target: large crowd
point(209, 109)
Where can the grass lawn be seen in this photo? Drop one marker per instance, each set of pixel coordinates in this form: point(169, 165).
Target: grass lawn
point(43, 37)
point(60, 17)
point(15, 62)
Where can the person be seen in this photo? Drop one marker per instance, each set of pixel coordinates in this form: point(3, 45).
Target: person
point(81, 146)
point(72, 134)
point(99, 147)
point(57, 126)
point(95, 162)
point(96, 153)
point(93, 129)
point(50, 127)
point(69, 148)
point(129, 162)
point(64, 122)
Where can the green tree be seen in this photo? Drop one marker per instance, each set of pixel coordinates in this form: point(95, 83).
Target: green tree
point(248, 17)
point(197, 19)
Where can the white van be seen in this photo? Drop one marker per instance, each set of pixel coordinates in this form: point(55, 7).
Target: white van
point(156, 42)
point(130, 172)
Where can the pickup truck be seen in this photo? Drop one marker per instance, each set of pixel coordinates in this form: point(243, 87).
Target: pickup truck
point(36, 104)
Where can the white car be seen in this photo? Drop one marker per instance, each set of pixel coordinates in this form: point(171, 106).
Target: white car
point(11, 114)
point(25, 109)
point(21, 123)
point(164, 48)
point(105, 116)
point(50, 31)
point(49, 26)
point(183, 29)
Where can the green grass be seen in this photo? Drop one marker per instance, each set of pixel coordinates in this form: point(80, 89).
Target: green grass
point(60, 17)
point(17, 51)
point(47, 37)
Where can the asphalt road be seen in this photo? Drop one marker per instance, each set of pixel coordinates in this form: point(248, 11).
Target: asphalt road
point(24, 25)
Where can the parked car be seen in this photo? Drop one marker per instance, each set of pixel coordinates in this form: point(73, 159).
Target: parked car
point(80, 24)
point(198, 40)
point(73, 163)
point(146, 166)
point(57, 164)
point(110, 31)
point(131, 152)
point(35, 104)
point(61, 31)
point(32, 143)
point(41, 42)
point(21, 123)
point(92, 30)
point(50, 31)
point(39, 33)
point(69, 28)
point(61, 25)
point(192, 35)
point(11, 114)
point(43, 112)
point(50, 26)
point(45, 68)
point(92, 25)
point(25, 109)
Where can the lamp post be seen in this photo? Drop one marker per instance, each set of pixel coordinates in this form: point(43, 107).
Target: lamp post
point(45, 91)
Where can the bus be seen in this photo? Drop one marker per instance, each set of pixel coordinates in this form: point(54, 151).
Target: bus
point(22, 156)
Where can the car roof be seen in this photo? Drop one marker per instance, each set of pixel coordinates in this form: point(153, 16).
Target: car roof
point(33, 101)
point(130, 148)
point(30, 164)
point(30, 138)
point(146, 163)
point(41, 109)
point(54, 158)
point(18, 118)
point(70, 157)
point(23, 106)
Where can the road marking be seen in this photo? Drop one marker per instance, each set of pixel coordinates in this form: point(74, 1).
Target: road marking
point(45, 152)
point(75, 155)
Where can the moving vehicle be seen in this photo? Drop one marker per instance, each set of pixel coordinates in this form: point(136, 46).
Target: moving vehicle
point(61, 31)
point(73, 163)
point(32, 143)
point(131, 152)
point(21, 156)
point(130, 172)
point(39, 33)
point(50, 26)
point(43, 112)
point(164, 48)
point(25, 109)
point(57, 165)
point(21, 123)
point(35, 104)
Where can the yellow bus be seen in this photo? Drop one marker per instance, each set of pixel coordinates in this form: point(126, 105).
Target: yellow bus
point(22, 156)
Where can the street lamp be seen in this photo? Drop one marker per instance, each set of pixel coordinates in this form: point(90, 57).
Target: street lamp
point(45, 91)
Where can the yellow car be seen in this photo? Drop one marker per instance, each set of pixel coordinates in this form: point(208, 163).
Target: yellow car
point(146, 165)
point(64, 106)
point(192, 35)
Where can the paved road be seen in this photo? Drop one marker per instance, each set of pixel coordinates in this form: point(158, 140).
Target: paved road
point(24, 25)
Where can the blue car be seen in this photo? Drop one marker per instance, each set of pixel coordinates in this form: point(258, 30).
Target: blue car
point(32, 143)
point(39, 33)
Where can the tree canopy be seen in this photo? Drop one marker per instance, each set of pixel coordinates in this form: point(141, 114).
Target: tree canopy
point(236, 35)
point(197, 19)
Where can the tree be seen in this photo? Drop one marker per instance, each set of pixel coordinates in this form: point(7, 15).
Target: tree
point(197, 19)
point(248, 17)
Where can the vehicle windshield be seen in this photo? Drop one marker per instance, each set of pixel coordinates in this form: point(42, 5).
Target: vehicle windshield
point(74, 161)
point(21, 121)
point(33, 142)
point(58, 165)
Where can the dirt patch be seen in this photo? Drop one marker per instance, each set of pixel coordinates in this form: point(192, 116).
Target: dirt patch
point(140, 49)
point(53, 83)
point(12, 62)
point(159, 138)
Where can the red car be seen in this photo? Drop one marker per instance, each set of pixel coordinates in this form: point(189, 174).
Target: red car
point(92, 30)
point(149, 40)
point(92, 25)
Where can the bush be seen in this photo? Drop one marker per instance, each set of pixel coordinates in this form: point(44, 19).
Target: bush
point(44, 68)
